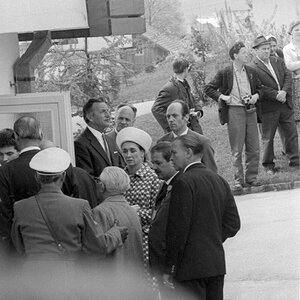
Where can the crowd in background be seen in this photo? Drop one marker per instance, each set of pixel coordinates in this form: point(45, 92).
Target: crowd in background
point(159, 211)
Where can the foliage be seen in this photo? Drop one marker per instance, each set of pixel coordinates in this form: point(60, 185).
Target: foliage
point(164, 15)
point(150, 69)
point(86, 74)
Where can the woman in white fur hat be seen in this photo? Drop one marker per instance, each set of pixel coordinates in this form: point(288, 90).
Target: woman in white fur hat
point(144, 183)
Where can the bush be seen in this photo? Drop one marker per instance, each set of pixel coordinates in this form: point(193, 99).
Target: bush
point(150, 69)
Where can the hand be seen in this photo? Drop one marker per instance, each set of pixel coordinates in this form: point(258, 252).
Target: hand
point(168, 281)
point(136, 207)
point(225, 98)
point(254, 99)
point(281, 96)
point(124, 232)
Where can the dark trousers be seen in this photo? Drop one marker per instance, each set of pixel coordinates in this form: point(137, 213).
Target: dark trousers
point(285, 118)
point(210, 288)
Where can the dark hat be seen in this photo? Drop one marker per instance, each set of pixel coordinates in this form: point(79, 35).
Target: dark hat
point(259, 41)
point(293, 25)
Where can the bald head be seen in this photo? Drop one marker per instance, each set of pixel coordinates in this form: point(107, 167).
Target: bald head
point(28, 128)
point(125, 117)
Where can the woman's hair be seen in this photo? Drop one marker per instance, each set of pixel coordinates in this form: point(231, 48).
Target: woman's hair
point(115, 180)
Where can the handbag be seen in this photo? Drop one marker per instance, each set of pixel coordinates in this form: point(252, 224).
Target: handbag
point(59, 245)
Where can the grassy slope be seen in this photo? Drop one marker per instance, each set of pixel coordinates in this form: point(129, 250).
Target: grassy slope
point(146, 86)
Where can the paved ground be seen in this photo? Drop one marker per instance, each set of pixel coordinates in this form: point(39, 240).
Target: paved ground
point(263, 259)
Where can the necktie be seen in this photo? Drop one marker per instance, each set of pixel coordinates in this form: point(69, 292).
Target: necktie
point(106, 147)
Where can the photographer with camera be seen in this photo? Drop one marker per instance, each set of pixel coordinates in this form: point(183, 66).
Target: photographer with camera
point(178, 88)
point(236, 88)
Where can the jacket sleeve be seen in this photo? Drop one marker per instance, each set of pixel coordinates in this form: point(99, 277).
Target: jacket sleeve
point(230, 221)
point(94, 238)
point(83, 158)
point(212, 88)
point(287, 84)
point(178, 225)
point(16, 235)
point(159, 108)
point(208, 158)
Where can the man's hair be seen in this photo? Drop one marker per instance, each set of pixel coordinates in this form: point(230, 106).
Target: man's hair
point(179, 65)
point(7, 138)
point(235, 49)
point(88, 107)
point(272, 38)
point(134, 109)
point(47, 179)
point(184, 107)
point(28, 128)
point(164, 148)
point(115, 180)
point(192, 142)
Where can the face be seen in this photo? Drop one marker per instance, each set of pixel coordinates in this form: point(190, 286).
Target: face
point(124, 118)
point(162, 168)
point(242, 56)
point(179, 156)
point(7, 154)
point(99, 116)
point(176, 121)
point(273, 47)
point(296, 32)
point(263, 52)
point(132, 154)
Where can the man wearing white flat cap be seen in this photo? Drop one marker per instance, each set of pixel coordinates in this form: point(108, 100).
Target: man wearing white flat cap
point(51, 225)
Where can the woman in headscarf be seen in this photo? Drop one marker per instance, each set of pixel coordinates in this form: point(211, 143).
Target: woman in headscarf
point(292, 60)
point(144, 183)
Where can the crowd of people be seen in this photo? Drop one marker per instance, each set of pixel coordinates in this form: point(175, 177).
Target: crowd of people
point(159, 211)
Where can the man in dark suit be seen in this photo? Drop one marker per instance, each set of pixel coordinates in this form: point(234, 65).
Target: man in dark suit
point(125, 117)
point(177, 88)
point(17, 180)
point(93, 150)
point(277, 105)
point(178, 116)
point(163, 167)
point(236, 88)
point(202, 215)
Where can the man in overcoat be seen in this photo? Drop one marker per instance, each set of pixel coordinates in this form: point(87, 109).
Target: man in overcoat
point(236, 89)
point(178, 115)
point(202, 215)
point(277, 105)
point(177, 88)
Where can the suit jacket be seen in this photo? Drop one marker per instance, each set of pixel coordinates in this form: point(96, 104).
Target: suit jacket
point(112, 135)
point(157, 232)
point(223, 83)
point(70, 218)
point(208, 151)
point(202, 215)
point(17, 181)
point(172, 90)
point(90, 155)
point(269, 85)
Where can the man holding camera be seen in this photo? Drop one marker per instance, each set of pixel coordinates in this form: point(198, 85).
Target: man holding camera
point(177, 88)
point(236, 88)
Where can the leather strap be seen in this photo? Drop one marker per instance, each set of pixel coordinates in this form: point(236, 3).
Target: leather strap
point(52, 232)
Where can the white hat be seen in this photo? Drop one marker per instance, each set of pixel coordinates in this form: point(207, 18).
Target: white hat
point(50, 161)
point(135, 135)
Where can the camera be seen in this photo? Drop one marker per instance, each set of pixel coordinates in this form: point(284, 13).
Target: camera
point(249, 107)
point(246, 99)
point(194, 113)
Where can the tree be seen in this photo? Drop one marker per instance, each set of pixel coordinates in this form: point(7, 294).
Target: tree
point(85, 74)
point(164, 15)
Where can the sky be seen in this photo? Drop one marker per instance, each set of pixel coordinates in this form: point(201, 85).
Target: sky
point(287, 10)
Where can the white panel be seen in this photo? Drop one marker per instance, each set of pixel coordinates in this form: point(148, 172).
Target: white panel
point(33, 15)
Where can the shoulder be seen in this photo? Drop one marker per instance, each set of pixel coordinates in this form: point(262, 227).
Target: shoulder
point(21, 204)
point(112, 134)
point(165, 138)
point(83, 136)
point(201, 137)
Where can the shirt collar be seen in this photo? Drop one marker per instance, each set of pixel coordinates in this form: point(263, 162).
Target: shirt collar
point(236, 69)
point(29, 149)
point(193, 163)
point(142, 172)
point(170, 179)
point(267, 63)
point(95, 132)
point(185, 132)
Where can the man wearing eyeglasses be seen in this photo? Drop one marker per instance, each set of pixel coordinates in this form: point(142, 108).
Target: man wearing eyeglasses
point(177, 88)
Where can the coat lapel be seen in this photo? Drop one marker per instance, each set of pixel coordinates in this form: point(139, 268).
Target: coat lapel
point(229, 79)
point(96, 145)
